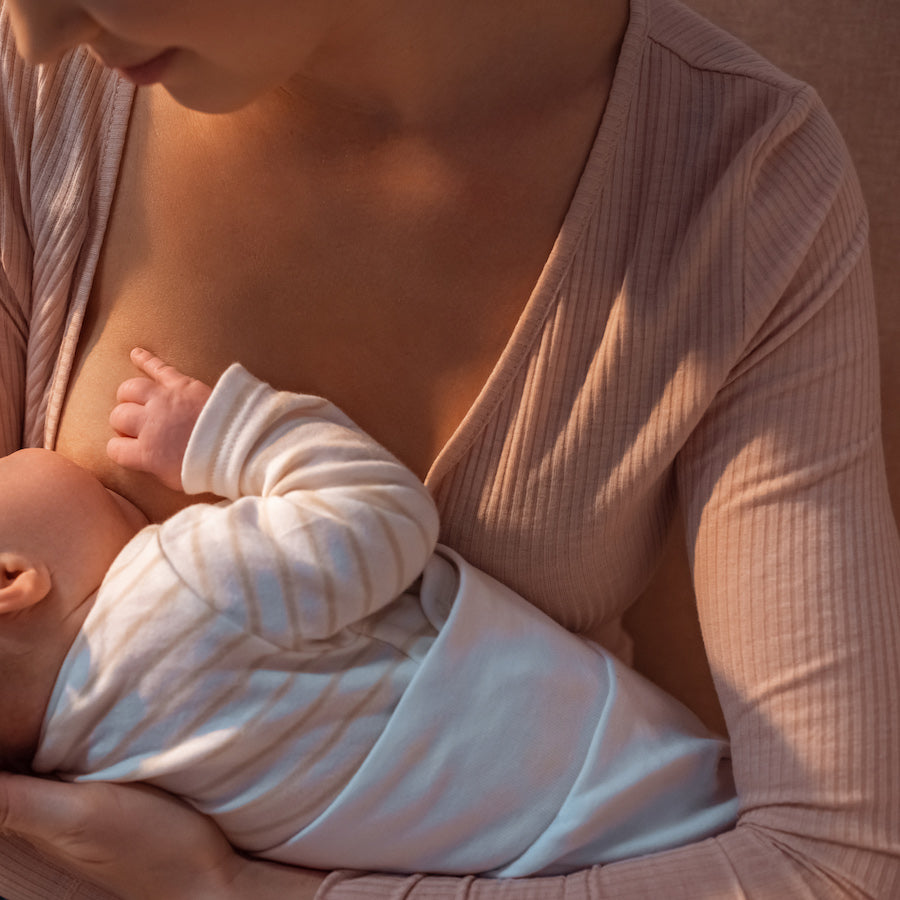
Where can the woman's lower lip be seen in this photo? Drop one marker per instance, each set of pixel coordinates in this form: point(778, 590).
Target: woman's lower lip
point(151, 71)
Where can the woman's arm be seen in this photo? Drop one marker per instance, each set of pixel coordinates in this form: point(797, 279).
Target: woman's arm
point(795, 549)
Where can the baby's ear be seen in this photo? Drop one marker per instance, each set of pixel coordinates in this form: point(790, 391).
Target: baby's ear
point(23, 582)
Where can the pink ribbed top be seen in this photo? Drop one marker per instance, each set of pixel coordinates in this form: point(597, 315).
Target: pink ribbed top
point(702, 336)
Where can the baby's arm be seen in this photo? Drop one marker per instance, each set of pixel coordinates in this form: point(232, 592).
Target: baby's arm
point(154, 416)
point(324, 527)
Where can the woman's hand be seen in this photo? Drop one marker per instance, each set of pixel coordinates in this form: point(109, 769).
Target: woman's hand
point(141, 843)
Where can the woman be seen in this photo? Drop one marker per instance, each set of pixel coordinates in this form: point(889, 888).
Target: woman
point(577, 263)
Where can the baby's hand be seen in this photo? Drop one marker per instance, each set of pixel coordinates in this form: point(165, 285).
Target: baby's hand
point(154, 416)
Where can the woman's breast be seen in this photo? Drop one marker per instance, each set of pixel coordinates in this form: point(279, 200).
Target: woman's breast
point(101, 365)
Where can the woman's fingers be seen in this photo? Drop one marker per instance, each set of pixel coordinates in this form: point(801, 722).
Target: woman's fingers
point(133, 839)
point(37, 809)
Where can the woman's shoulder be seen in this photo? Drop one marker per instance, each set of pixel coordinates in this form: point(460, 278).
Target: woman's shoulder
point(705, 47)
point(766, 136)
point(712, 124)
point(698, 75)
point(695, 107)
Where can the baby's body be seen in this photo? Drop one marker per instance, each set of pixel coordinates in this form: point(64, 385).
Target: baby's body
point(267, 658)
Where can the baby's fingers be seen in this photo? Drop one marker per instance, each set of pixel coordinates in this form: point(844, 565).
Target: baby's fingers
point(135, 390)
point(126, 452)
point(159, 370)
point(128, 418)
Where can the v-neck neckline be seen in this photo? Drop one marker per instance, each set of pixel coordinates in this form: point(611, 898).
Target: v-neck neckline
point(544, 295)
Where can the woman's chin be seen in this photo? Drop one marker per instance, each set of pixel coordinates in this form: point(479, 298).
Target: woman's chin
point(213, 97)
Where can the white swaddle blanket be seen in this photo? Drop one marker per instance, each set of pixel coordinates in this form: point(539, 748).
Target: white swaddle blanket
point(520, 749)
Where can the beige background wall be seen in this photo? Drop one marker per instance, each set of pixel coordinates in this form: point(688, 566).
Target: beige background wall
point(849, 50)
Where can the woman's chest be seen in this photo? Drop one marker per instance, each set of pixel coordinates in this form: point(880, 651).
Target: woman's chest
point(388, 283)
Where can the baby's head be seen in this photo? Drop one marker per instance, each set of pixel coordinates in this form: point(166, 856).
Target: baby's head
point(60, 530)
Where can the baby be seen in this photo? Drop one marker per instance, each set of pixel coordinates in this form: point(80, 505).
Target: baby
point(304, 663)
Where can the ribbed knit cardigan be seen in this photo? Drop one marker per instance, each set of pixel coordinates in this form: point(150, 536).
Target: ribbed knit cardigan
point(702, 336)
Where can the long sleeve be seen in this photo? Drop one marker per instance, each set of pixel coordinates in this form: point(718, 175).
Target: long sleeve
point(15, 249)
point(795, 548)
point(62, 131)
point(324, 526)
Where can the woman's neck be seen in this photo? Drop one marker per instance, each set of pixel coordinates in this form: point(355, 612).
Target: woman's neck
point(430, 68)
